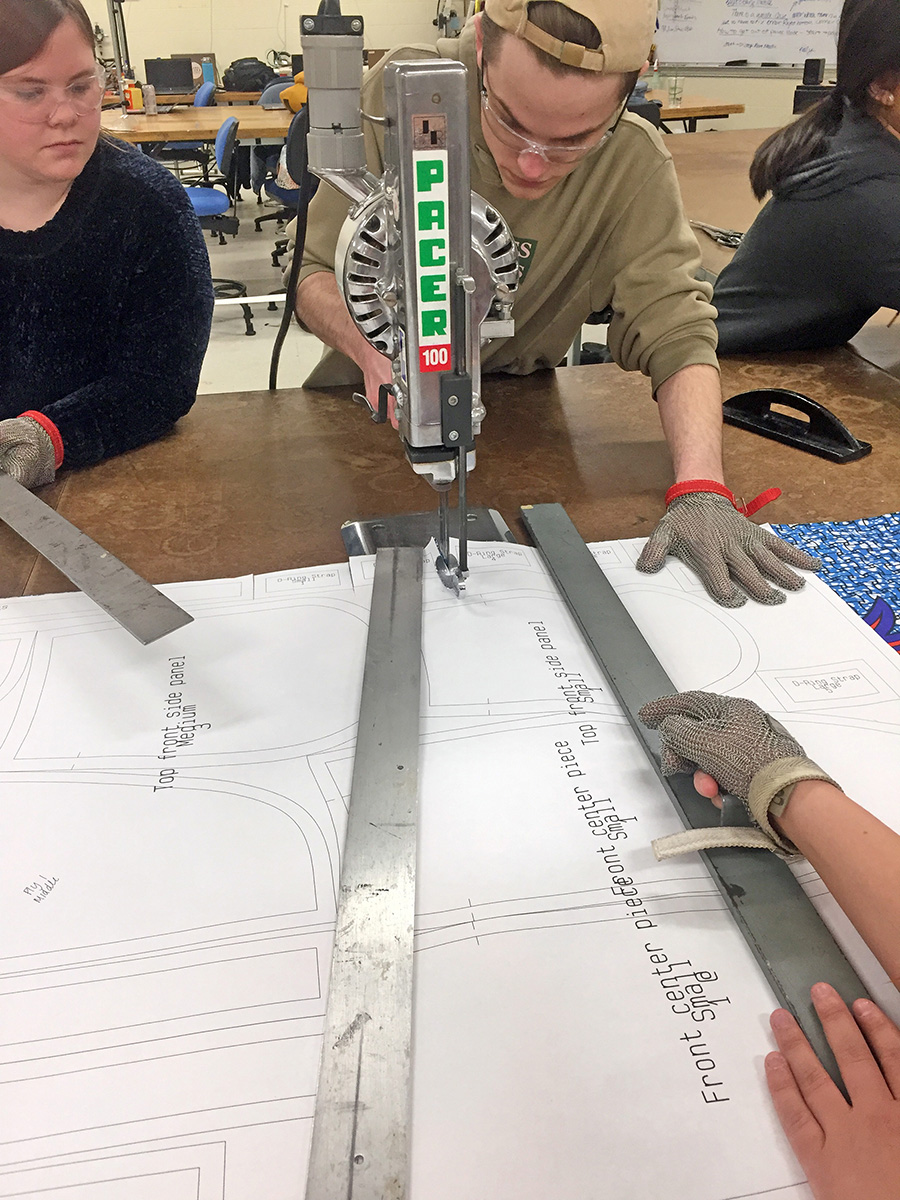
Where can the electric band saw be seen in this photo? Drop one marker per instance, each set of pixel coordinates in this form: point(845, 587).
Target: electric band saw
point(427, 269)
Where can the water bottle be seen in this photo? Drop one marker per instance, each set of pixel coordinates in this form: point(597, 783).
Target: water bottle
point(150, 106)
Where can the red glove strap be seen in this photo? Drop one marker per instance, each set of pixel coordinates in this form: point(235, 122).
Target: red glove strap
point(55, 436)
point(691, 486)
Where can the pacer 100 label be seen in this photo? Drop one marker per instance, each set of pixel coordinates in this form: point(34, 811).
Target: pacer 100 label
point(432, 258)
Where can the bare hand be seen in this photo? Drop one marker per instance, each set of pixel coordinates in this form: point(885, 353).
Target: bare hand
point(848, 1151)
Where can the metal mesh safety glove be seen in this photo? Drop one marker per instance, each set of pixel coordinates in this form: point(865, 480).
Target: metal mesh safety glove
point(705, 529)
point(747, 752)
point(27, 451)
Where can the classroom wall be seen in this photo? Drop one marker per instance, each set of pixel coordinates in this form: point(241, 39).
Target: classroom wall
point(238, 28)
point(768, 102)
point(243, 28)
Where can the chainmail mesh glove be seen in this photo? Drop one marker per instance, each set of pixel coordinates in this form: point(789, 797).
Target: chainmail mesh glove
point(710, 536)
point(26, 452)
point(747, 752)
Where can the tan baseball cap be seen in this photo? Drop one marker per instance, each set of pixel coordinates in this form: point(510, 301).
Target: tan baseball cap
point(626, 31)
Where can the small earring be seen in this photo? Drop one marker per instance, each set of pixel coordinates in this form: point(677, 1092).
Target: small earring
point(890, 100)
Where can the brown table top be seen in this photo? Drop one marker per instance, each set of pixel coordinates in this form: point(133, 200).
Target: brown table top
point(692, 106)
point(222, 97)
point(257, 481)
point(197, 124)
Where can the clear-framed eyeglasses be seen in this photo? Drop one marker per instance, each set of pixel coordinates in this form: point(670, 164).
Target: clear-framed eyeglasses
point(36, 103)
point(559, 152)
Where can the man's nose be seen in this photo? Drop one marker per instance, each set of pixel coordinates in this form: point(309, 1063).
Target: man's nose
point(532, 164)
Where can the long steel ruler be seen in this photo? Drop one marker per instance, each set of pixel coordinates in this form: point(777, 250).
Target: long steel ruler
point(361, 1138)
point(788, 937)
point(132, 601)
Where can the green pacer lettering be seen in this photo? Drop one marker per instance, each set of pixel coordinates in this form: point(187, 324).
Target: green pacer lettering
point(429, 250)
point(431, 215)
point(434, 323)
point(429, 171)
point(431, 288)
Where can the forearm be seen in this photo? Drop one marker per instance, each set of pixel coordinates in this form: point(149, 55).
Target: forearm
point(120, 412)
point(322, 310)
point(858, 859)
point(690, 410)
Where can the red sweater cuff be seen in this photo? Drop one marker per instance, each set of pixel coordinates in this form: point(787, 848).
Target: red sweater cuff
point(55, 436)
point(690, 486)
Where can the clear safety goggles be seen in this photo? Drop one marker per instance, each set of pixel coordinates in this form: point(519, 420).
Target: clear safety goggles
point(559, 152)
point(37, 103)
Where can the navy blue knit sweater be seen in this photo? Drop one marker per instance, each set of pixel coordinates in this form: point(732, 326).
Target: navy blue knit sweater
point(105, 311)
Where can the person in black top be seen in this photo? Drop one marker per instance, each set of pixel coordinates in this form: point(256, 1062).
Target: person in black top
point(824, 253)
point(105, 289)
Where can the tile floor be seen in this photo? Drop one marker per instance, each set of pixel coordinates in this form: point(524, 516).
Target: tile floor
point(235, 362)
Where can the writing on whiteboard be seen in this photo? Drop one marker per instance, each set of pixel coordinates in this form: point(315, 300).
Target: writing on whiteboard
point(758, 30)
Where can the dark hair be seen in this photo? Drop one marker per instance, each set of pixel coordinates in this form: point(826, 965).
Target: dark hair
point(868, 49)
point(25, 26)
point(560, 22)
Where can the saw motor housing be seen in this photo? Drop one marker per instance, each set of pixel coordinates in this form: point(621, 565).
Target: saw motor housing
point(428, 270)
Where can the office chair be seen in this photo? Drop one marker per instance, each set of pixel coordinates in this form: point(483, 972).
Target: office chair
point(288, 197)
point(589, 353)
point(264, 166)
point(192, 152)
point(648, 109)
point(211, 206)
point(298, 169)
point(272, 91)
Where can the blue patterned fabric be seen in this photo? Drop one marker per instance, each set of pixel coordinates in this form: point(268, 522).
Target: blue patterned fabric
point(861, 562)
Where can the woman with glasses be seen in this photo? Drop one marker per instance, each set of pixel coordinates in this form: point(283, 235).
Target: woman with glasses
point(824, 254)
point(105, 291)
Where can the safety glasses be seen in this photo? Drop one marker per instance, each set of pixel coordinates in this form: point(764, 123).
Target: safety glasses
point(558, 152)
point(36, 103)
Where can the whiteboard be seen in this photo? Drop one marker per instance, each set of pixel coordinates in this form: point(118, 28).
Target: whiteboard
point(770, 31)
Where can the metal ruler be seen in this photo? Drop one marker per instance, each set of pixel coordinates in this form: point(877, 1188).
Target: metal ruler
point(132, 601)
point(782, 928)
point(361, 1136)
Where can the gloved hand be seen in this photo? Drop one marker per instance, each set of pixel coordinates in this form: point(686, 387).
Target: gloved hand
point(711, 536)
point(27, 452)
point(745, 750)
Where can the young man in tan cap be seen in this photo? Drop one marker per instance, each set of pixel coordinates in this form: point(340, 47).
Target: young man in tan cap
point(590, 194)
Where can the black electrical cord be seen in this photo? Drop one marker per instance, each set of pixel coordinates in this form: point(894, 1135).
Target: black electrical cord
point(298, 169)
point(297, 165)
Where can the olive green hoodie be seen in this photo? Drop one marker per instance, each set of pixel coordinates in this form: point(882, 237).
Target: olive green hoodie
point(612, 233)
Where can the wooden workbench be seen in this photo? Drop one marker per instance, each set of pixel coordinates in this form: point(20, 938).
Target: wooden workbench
point(692, 109)
point(253, 481)
point(197, 124)
point(222, 96)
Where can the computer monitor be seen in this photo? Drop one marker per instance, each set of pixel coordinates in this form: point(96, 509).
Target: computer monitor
point(206, 62)
point(170, 76)
point(296, 64)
